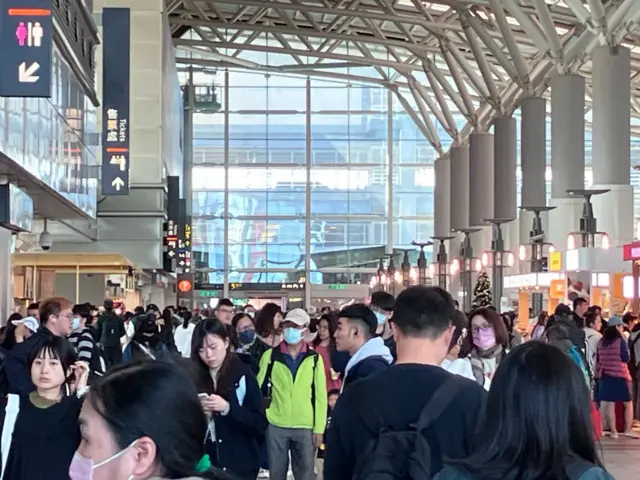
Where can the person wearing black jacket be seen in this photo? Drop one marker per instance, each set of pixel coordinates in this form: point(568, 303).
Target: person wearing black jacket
point(109, 332)
point(232, 399)
point(570, 321)
point(56, 317)
point(356, 334)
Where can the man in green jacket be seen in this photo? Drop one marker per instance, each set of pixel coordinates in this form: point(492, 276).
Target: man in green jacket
point(293, 382)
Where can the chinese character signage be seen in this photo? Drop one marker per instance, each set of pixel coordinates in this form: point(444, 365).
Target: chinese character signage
point(26, 43)
point(184, 252)
point(172, 226)
point(116, 76)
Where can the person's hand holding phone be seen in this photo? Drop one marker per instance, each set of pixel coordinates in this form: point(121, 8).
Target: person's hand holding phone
point(219, 404)
point(206, 402)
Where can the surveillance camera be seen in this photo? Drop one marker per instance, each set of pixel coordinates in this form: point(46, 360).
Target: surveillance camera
point(46, 241)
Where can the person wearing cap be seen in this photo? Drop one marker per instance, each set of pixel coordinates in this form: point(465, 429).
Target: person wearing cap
point(18, 330)
point(356, 334)
point(615, 379)
point(293, 382)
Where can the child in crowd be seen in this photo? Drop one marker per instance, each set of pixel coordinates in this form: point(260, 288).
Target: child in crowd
point(332, 398)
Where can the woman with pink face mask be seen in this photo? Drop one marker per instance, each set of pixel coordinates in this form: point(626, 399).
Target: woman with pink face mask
point(143, 421)
point(487, 344)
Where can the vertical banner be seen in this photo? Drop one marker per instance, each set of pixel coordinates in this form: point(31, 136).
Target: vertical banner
point(183, 268)
point(116, 101)
point(171, 226)
point(26, 45)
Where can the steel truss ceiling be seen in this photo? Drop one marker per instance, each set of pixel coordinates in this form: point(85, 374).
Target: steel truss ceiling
point(475, 57)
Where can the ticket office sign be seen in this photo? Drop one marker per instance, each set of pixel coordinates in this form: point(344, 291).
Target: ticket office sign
point(116, 100)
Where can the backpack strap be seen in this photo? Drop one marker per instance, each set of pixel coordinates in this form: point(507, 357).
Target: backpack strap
point(313, 385)
point(437, 403)
point(266, 383)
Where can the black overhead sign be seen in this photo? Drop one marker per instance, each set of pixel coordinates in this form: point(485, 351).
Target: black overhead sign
point(184, 241)
point(172, 225)
point(116, 102)
point(26, 45)
point(255, 287)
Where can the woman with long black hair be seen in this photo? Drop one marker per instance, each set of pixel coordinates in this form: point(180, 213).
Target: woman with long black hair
point(325, 345)
point(536, 425)
point(232, 400)
point(140, 421)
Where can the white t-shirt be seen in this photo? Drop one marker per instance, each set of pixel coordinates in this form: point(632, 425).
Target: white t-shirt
point(183, 339)
point(460, 366)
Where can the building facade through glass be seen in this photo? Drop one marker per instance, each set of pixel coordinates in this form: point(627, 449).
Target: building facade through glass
point(311, 178)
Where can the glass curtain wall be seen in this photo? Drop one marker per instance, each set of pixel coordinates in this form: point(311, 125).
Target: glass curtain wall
point(302, 168)
point(312, 178)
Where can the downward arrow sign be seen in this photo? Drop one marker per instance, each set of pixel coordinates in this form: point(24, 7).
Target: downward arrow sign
point(26, 75)
point(118, 183)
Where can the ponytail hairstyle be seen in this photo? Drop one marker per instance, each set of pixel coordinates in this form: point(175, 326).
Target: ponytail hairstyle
point(172, 417)
point(186, 318)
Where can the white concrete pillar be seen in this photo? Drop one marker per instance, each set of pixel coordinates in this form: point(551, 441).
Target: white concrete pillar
point(481, 187)
point(567, 156)
point(6, 279)
point(612, 142)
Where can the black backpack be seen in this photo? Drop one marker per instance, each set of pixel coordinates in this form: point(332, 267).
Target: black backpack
point(111, 332)
point(405, 454)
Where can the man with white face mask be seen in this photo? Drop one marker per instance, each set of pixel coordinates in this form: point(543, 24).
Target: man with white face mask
point(382, 304)
point(293, 383)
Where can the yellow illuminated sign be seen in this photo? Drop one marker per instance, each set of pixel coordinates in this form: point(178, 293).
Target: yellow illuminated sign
point(555, 261)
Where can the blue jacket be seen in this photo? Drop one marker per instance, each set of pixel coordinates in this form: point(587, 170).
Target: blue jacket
point(16, 368)
point(240, 433)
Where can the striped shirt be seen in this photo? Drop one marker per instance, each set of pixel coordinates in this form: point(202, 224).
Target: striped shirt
point(83, 342)
point(612, 359)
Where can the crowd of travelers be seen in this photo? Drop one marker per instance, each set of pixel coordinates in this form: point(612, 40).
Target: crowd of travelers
point(394, 388)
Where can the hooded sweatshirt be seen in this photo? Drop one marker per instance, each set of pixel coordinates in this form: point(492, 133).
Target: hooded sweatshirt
point(372, 357)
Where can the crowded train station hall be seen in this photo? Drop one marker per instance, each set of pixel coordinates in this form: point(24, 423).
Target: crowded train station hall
point(320, 239)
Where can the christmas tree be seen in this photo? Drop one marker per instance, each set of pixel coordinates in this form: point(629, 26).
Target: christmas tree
point(482, 291)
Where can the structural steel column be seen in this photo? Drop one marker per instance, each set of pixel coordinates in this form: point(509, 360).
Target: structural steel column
point(481, 186)
point(612, 142)
point(567, 155)
point(225, 108)
point(307, 199)
point(389, 192)
point(533, 162)
point(442, 205)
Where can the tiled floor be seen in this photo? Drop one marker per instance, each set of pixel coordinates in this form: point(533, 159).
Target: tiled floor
point(622, 458)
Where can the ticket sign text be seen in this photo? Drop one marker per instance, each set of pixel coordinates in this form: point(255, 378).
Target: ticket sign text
point(631, 251)
point(26, 43)
point(116, 103)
